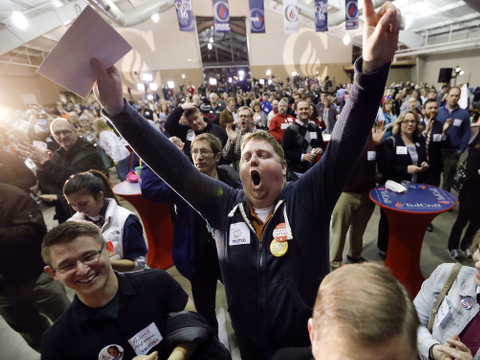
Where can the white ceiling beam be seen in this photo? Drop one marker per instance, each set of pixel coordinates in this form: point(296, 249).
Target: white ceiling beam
point(11, 37)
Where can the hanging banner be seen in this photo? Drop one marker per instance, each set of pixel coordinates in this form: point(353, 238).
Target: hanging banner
point(185, 15)
point(321, 15)
point(290, 16)
point(351, 14)
point(257, 16)
point(221, 16)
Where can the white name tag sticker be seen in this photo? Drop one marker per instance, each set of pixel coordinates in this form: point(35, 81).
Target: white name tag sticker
point(437, 137)
point(313, 135)
point(283, 126)
point(443, 314)
point(401, 150)
point(190, 135)
point(457, 122)
point(239, 234)
point(146, 339)
point(371, 155)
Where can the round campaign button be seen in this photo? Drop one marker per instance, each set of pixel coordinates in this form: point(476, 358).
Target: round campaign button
point(280, 232)
point(111, 352)
point(278, 248)
point(466, 304)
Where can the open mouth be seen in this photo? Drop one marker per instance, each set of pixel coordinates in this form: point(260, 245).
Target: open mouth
point(93, 276)
point(256, 178)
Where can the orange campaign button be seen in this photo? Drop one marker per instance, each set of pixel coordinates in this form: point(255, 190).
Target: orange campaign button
point(280, 232)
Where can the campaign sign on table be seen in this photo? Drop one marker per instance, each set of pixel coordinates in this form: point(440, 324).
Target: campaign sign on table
point(418, 198)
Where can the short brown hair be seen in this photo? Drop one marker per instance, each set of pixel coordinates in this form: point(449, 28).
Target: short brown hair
point(265, 136)
point(214, 142)
point(242, 108)
point(381, 310)
point(68, 232)
point(398, 122)
point(190, 111)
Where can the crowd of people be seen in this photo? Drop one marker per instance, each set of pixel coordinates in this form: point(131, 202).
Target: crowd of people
point(256, 181)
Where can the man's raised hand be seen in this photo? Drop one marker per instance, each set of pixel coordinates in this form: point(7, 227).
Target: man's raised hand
point(108, 88)
point(380, 35)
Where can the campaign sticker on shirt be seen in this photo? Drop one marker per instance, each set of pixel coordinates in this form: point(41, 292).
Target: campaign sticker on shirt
point(371, 155)
point(283, 126)
point(111, 352)
point(457, 122)
point(401, 150)
point(190, 134)
point(466, 304)
point(280, 232)
point(313, 135)
point(443, 315)
point(239, 234)
point(145, 339)
point(437, 137)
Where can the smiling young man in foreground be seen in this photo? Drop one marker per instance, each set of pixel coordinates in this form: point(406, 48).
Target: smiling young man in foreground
point(272, 237)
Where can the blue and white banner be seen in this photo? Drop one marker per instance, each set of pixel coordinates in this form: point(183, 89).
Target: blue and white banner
point(290, 16)
point(221, 16)
point(185, 15)
point(351, 14)
point(321, 15)
point(257, 16)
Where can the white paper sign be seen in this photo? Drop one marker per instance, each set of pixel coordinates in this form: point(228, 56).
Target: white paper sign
point(146, 339)
point(401, 150)
point(239, 234)
point(442, 314)
point(371, 155)
point(68, 64)
point(457, 122)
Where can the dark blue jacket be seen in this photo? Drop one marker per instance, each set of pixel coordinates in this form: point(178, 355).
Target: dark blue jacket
point(270, 299)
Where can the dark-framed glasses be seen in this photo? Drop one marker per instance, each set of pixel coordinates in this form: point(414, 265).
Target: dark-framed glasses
point(88, 259)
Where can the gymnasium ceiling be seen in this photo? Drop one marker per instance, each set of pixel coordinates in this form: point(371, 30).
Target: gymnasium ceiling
point(433, 26)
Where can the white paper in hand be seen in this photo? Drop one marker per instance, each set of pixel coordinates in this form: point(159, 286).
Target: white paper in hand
point(68, 64)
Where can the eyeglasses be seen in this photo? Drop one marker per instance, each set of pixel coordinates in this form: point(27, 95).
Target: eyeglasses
point(62, 132)
point(88, 259)
point(243, 116)
point(203, 152)
point(408, 122)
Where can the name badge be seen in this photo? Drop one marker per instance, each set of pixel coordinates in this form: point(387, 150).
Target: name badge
point(443, 314)
point(401, 150)
point(146, 339)
point(313, 135)
point(239, 234)
point(457, 122)
point(190, 135)
point(283, 126)
point(371, 155)
point(437, 137)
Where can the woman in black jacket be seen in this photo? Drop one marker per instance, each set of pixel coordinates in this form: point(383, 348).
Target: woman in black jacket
point(407, 162)
point(469, 209)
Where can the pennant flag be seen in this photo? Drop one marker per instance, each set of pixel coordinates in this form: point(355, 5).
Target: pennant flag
point(351, 14)
point(257, 16)
point(185, 15)
point(321, 15)
point(221, 16)
point(290, 16)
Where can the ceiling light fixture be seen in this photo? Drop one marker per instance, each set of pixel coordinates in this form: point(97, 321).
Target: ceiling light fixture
point(156, 18)
point(19, 20)
point(346, 39)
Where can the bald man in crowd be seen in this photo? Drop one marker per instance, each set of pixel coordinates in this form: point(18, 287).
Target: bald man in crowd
point(75, 155)
point(379, 323)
